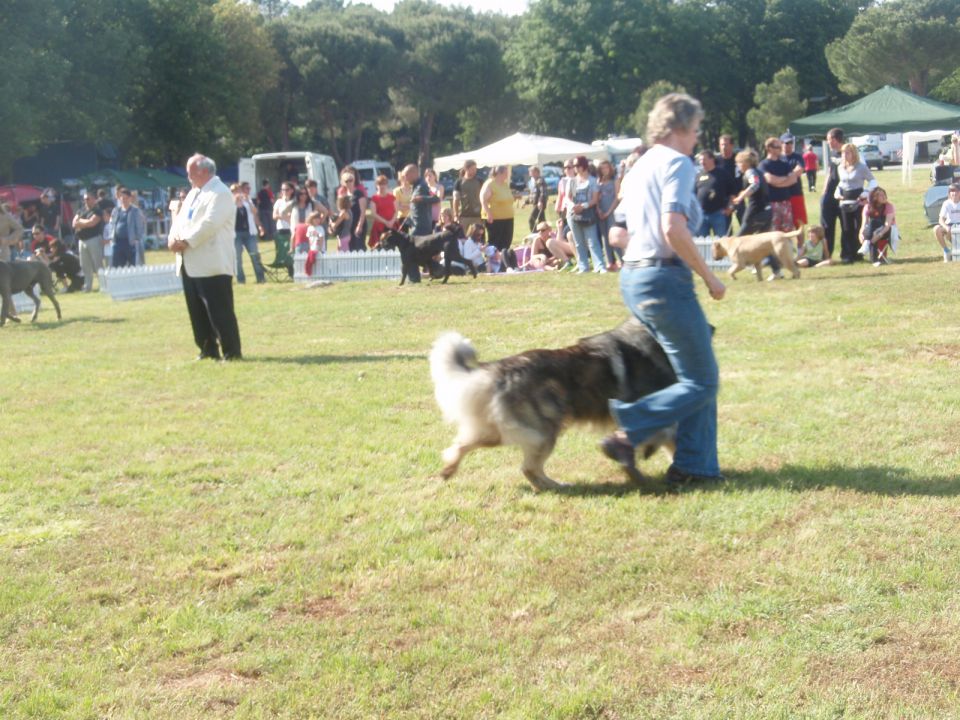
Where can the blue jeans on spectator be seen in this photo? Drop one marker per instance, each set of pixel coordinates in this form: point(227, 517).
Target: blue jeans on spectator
point(582, 235)
point(249, 241)
point(664, 300)
point(716, 221)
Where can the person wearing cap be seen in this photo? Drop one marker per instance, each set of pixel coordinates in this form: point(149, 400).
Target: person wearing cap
point(795, 161)
point(656, 283)
point(128, 228)
point(88, 225)
point(203, 237)
point(948, 219)
point(11, 233)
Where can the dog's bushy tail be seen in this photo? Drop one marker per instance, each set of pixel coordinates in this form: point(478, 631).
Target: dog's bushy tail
point(452, 361)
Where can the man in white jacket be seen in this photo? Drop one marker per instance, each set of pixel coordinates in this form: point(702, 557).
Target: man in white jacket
point(202, 235)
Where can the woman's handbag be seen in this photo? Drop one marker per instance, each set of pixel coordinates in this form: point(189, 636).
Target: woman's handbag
point(587, 216)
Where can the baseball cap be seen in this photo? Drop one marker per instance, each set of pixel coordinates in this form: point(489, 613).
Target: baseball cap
point(786, 137)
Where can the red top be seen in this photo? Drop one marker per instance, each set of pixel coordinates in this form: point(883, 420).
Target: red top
point(300, 234)
point(809, 160)
point(385, 205)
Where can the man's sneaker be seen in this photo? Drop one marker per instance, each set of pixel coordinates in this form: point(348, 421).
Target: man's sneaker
point(677, 479)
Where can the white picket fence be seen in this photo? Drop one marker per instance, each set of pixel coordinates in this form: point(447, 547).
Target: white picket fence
point(705, 246)
point(336, 266)
point(131, 283)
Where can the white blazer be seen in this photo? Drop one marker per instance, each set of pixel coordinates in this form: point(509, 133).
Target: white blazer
point(206, 223)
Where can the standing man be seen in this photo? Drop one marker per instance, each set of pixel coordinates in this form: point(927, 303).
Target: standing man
point(421, 201)
point(810, 167)
point(88, 226)
point(466, 196)
point(538, 198)
point(727, 162)
point(128, 229)
point(203, 238)
point(714, 195)
point(829, 205)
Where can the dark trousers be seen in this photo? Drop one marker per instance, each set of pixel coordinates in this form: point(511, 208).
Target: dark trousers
point(124, 254)
point(829, 214)
point(537, 216)
point(812, 179)
point(850, 233)
point(210, 306)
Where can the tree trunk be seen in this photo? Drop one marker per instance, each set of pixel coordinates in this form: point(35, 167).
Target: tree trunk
point(426, 131)
point(918, 83)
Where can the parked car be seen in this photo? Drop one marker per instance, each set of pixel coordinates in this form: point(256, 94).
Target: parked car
point(369, 169)
point(871, 155)
point(519, 177)
point(551, 176)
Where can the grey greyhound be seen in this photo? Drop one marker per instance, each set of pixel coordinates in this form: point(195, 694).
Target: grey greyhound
point(22, 277)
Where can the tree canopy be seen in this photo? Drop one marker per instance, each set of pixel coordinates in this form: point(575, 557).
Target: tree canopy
point(164, 78)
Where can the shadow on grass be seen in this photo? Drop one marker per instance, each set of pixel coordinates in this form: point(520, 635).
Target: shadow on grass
point(54, 324)
point(327, 359)
point(871, 479)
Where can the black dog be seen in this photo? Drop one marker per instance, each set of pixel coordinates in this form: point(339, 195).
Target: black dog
point(418, 251)
point(21, 277)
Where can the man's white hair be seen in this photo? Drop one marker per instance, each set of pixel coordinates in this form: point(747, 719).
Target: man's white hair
point(204, 163)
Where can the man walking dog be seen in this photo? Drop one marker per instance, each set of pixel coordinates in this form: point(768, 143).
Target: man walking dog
point(203, 238)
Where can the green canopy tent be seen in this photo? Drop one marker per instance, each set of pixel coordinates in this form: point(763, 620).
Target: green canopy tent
point(163, 178)
point(887, 110)
point(128, 178)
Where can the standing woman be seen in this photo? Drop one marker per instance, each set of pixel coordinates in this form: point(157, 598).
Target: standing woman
point(496, 197)
point(855, 180)
point(608, 203)
point(656, 282)
point(283, 214)
point(436, 189)
point(358, 207)
point(583, 196)
point(303, 208)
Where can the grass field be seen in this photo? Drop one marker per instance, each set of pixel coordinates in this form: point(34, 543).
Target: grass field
point(270, 538)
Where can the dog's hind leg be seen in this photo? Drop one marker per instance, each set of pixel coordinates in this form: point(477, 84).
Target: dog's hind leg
point(32, 294)
point(49, 292)
point(535, 454)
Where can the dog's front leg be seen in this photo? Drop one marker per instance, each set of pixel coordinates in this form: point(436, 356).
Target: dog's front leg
point(759, 269)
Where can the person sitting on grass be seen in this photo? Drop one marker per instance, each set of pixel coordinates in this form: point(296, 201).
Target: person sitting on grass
point(949, 219)
point(812, 251)
point(878, 225)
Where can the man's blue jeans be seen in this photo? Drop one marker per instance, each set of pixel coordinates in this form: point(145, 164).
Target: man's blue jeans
point(248, 241)
point(663, 299)
point(716, 221)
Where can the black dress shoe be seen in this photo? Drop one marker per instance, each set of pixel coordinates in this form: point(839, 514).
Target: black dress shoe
point(677, 479)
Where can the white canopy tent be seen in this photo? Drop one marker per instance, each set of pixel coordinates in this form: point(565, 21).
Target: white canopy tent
point(521, 149)
point(910, 140)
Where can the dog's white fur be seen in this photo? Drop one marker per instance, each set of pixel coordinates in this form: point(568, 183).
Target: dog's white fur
point(749, 250)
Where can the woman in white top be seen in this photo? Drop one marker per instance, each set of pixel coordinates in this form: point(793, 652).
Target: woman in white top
point(856, 181)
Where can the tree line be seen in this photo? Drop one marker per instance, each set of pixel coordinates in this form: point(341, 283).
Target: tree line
point(164, 78)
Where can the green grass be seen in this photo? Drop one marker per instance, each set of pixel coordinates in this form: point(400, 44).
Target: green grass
point(270, 538)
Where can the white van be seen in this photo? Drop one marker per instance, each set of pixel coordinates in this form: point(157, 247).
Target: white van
point(368, 171)
point(295, 165)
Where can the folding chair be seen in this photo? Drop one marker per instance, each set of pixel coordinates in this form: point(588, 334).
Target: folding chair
point(281, 268)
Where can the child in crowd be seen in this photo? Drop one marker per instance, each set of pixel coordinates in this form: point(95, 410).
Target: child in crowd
point(316, 233)
point(949, 218)
point(811, 254)
point(446, 222)
point(341, 225)
point(878, 227)
point(299, 243)
point(384, 210)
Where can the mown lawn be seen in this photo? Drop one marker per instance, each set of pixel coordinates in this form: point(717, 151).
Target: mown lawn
point(270, 538)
